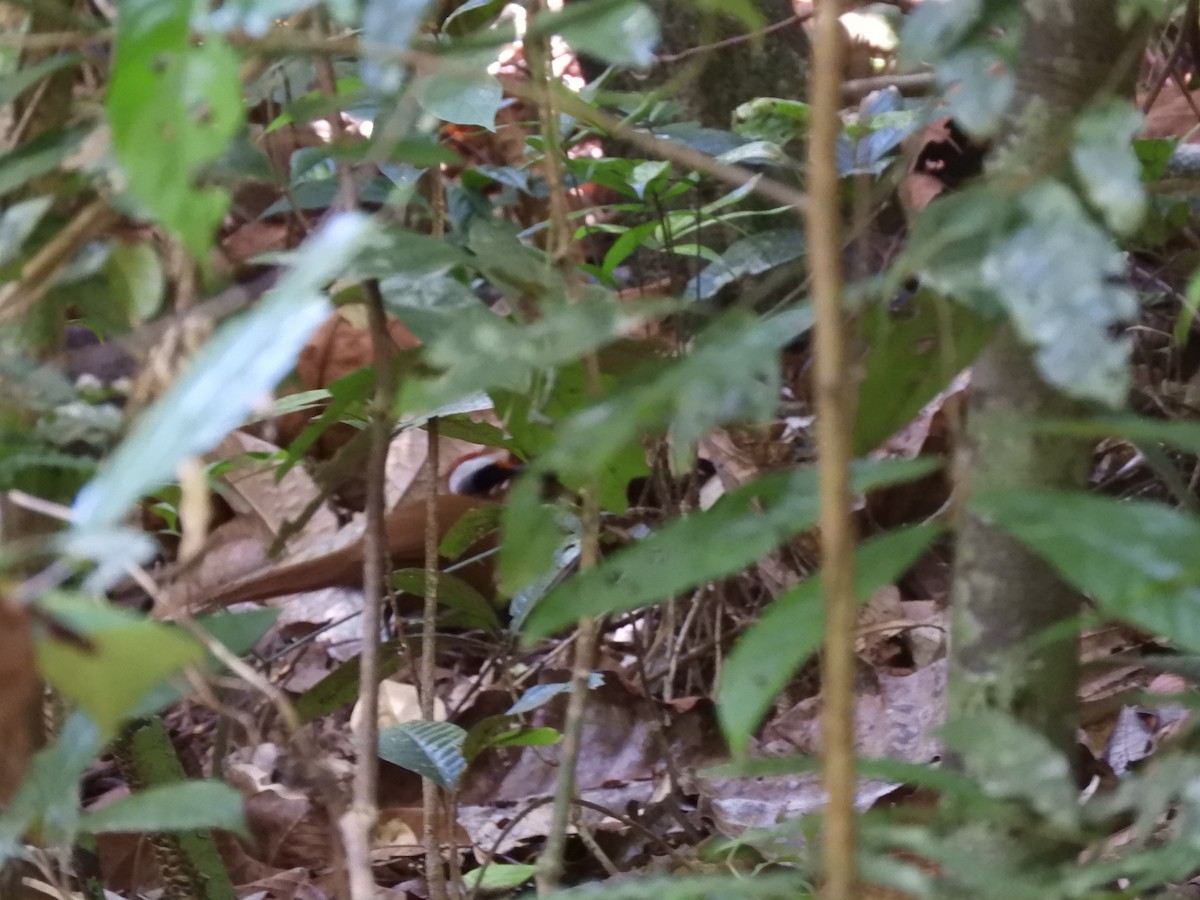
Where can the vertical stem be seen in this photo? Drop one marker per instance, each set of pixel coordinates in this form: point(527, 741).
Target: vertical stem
point(560, 247)
point(360, 818)
point(435, 872)
point(835, 419)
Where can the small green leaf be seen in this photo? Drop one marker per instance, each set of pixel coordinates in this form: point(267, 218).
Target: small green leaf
point(14, 84)
point(136, 277)
point(1136, 559)
point(471, 608)
point(431, 749)
point(498, 877)
point(765, 658)
point(541, 694)
point(1107, 164)
point(35, 158)
point(532, 533)
point(472, 527)
point(184, 806)
point(100, 678)
point(17, 224)
point(742, 526)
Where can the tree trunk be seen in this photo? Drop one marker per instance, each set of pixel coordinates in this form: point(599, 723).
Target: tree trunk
point(1004, 597)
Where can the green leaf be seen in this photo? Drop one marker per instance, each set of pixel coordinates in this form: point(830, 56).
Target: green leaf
point(431, 749)
point(482, 350)
point(541, 694)
point(1136, 559)
point(753, 255)
point(1176, 433)
point(532, 532)
point(137, 280)
point(498, 877)
point(35, 158)
point(1012, 761)
point(1107, 164)
point(17, 224)
point(14, 84)
point(471, 608)
point(472, 527)
point(243, 361)
point(49, 793)
point(910, 358)
point(790, 630)
point(185, 806)
point(742, 526)
point(340, 687)
point(100, 678)
point(620, 32)
point(388, 27)
point(238, 631)
point(460, 99)
point(772, 119)
point(731, 376)
point(173, 106)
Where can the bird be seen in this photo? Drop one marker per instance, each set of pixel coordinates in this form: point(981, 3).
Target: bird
point(472, 480)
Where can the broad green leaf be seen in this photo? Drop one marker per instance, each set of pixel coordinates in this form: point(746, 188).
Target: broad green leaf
point(238, 631)
point(17, 83)
point(340, 687)
point(49, 793)
point(505, 731)
point(742, 526)
point(1136, 559)
point(790, 630)
point(471, 15)
point(731, 376)
point(980, 87)
point(482, 350)
point(100, 678)
point(620, 32)
point(772, 119)
point(469, 608)
point(388, 27)
point(35, 158)
point(472, 527)
point(173, 106)
point(910, 358)
point(17, 224)
point(431, 749)
point(460, 99)
point(753, 255)
point(1013, 762)
point(934, 30)
point(171, 807)
point(644, 174)
point(1107, 164)
point(532, 531)
point(498, 877)
point(241, 364)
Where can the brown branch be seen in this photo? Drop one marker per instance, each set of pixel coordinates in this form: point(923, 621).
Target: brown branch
point(835, 426)
point(795, 19)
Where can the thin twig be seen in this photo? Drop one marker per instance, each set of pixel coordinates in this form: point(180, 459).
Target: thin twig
point(794, 19)
point(561, 247)
point(435, 871)
point(835, 418)
point(19, 296)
